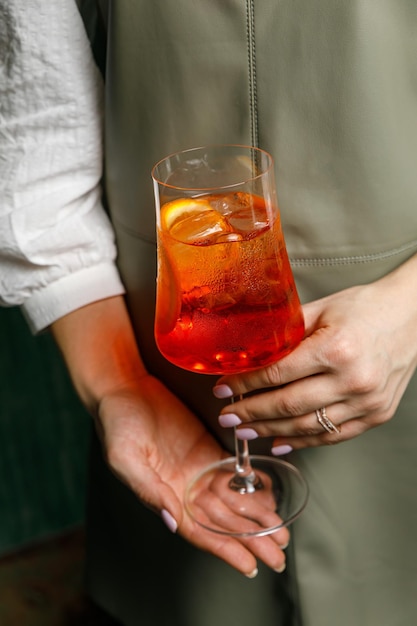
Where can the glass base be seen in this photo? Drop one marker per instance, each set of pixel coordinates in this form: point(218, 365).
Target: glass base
point(272, 496)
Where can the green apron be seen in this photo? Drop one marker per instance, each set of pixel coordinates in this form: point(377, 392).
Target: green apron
point(329, 87)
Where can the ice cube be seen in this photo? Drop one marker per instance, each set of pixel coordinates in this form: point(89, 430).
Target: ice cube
point(245, 212)
point(227, 204)
point(228, 237)
point(201, 228)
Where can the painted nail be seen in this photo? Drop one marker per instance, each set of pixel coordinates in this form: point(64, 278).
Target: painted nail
point(222, 391)
point(279, 450)
point(281, 569)
point(253, 574)
point(169, 521)
point(229, 419)
point(246, 433)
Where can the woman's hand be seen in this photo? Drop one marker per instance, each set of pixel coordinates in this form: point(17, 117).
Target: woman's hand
point(155, 445)
point(358, 355)
point(151, 441)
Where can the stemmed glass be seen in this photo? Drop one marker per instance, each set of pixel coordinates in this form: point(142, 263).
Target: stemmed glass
point(227, 303)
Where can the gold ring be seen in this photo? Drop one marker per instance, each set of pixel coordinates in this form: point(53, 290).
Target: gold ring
point(325, 422)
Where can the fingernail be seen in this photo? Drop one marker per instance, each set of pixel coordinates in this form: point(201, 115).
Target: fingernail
point(246, 433)
point(229, 419)
point(281, 569)
point(253, 574)
point(222, 391)
point(279, 450)
point(169, 521)
point(285, 546)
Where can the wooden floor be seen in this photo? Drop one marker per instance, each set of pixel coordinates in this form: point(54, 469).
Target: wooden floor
point(43, 586)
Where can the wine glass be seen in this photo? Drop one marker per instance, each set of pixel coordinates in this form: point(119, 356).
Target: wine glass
point(227, 303)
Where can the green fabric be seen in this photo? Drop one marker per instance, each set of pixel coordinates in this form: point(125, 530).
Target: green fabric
point(44, 434)
point(329, 88)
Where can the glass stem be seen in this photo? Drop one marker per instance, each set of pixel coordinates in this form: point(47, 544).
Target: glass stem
point(245, 480)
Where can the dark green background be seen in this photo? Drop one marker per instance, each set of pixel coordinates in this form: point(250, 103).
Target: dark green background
point(44, 435)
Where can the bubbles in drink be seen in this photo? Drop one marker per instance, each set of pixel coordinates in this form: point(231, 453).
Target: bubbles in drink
point(206, 299)
point(238, 309)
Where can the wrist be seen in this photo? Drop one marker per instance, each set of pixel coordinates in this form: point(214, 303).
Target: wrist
point(99, 347)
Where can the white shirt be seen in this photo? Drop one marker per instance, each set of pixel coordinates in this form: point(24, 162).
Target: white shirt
point(57, 248)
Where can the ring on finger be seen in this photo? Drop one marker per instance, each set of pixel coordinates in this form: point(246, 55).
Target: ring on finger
point(325, 422)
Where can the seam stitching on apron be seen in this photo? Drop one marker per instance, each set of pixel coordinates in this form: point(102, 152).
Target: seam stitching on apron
point(253, 102)
point(351, 260)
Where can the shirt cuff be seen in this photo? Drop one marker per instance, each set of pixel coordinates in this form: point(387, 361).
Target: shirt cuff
point(70, 293)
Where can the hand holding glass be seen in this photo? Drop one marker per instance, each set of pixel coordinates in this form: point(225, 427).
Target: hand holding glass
point(227, 303)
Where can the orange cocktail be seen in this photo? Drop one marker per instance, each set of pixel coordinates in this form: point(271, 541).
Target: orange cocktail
point(227, 303)
point(226, 299)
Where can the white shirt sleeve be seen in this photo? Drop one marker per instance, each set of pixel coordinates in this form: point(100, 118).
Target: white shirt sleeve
point(57, 248)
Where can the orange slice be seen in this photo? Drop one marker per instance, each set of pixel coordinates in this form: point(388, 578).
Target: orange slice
point(184, 208)
point(193, 219)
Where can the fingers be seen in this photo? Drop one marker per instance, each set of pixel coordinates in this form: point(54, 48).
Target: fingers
point(349, 430)
point(241, 553)
point(302, 430)
point(225, 510)
point(222, 511)
point(298, 426)
point(295, 426)
point(304, 361)
point(289, 412)
point(299, 398)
